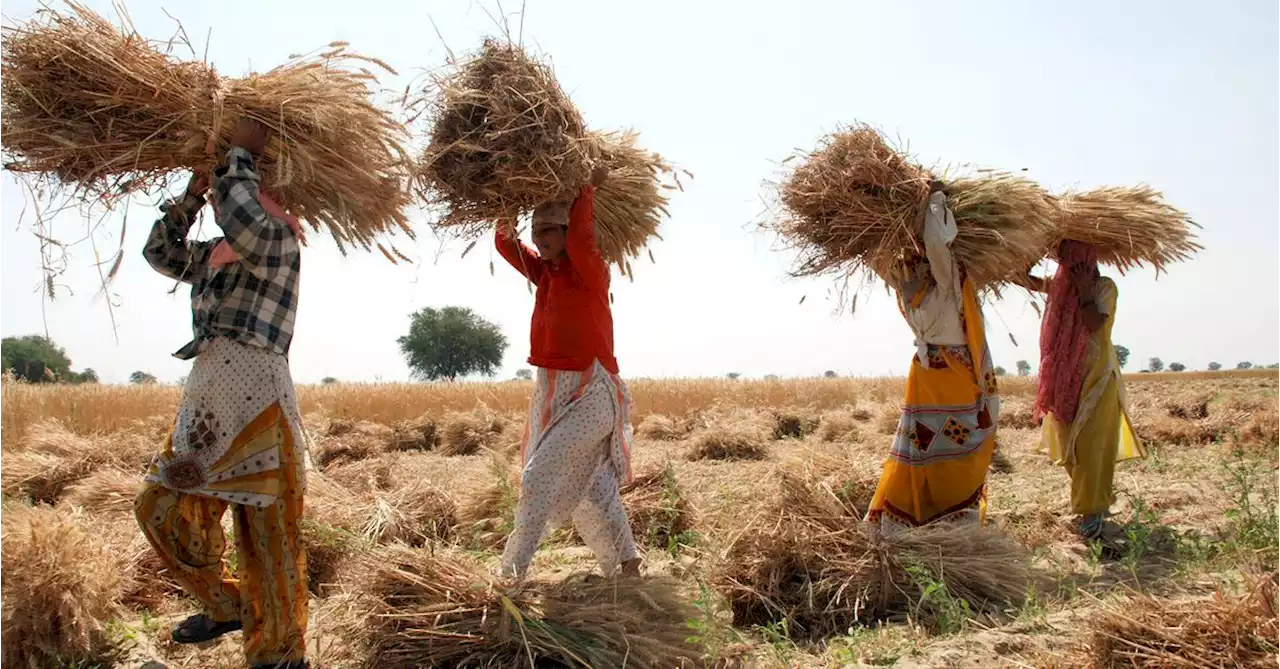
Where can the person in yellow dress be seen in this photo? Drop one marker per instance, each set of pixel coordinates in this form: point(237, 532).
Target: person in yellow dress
point(937, 466)
point(1080, 394)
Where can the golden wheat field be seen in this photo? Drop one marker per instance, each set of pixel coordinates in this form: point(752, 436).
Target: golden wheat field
point(746, 503)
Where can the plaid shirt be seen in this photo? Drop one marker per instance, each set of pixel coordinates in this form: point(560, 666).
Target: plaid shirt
point(252, 301)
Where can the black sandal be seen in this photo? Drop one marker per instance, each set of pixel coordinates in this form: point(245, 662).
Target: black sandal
point(295, 664)
point(201, 628)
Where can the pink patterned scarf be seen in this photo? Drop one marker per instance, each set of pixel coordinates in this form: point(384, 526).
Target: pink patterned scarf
point(223, 255)
point(1064, 337)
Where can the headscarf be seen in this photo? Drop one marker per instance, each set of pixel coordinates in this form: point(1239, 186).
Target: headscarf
point(223, 255)
point(1064, 337)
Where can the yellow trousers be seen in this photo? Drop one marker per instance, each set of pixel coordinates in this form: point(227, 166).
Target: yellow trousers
point(269, 596)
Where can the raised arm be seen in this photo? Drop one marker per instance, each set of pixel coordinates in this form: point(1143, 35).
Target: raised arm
point(516, 253)
point(580, 242)
point(938, 233)
point(167, 249)
point(262, 242)
point(1095, 302)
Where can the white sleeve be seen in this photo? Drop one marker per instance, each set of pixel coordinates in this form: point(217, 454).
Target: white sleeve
point(939, 231)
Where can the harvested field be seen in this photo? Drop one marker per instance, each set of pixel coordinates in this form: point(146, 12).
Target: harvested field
point(759, 561)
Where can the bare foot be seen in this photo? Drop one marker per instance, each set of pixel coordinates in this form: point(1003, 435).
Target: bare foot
point(631, 568)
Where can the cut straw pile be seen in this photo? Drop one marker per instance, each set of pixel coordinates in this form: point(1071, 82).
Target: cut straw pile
point(812, 562)
point(62, 585)
point(505, 138)
point(101, 110)
point(438, 609)
point(855, 202)
point(1129, 226)
point(1215, 632)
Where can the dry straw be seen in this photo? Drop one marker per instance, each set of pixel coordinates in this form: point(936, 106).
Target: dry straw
point(1130, 227)
point(630, 203)
point(439, 609)
point(505, 138)
point(103, 111)
point(812, 562)
point(855, 203)
point(62, 585)
point(1215, 632)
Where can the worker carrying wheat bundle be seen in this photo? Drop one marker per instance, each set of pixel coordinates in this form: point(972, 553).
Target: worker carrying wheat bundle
point(237, 441)
point(576, 449)
point(1079, 393)
point(937, 465)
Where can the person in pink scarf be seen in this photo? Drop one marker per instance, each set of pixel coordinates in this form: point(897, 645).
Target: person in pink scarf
point(237, 442)
point(1080, 394)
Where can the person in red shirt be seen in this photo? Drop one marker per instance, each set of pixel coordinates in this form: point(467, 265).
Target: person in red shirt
point(577, 446)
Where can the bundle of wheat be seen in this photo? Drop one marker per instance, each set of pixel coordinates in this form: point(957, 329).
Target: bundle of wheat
point(488, 515)
point(630, 203)
point(439, 609)
point(101, 110)
point(414, 435)
point(470, 433)
point(62, 585)
point(659, 427)
point(1129, 226)
point(819, 567)
point(414, 514)
point(109, 491)
point(505, 138)
point(1214, 632)
point(855, 203)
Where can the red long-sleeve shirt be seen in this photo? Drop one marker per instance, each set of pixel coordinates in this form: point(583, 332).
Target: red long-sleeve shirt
point(572, 322)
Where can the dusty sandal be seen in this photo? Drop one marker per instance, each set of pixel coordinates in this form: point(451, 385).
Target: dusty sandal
point(1091, 527)
point(200, 628)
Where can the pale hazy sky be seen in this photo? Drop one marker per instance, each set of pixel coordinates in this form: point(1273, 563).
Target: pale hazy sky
point(1181, 95)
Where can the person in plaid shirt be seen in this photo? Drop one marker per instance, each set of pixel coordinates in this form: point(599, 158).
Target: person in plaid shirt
point(237, 441)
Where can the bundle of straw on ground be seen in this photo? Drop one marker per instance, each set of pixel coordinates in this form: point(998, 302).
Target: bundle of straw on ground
point(488, 515)
point(439, 609)
point(1129, 226)
point(813, 563)
point(100, 110)
point(504, 139)
point(1214, 632)
point(470, 433)
point(109, 491)
point(855, 203)
point(62, 585)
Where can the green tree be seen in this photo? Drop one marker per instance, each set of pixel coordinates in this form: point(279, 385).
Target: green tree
point(34, 358)
point(524, 374)
point(733, 376)
point(87, 376)
point(1122, 355)
point(142, 378)
point(1155, 365)
point(830, 374)
point(1215, 366)
point(1176, 367)
point(1244, 365)
point(1000, 371)
point(328, 381)
point(451, 342)
point(1024, 368)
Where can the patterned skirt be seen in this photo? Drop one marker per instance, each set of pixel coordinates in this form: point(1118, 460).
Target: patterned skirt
point(238, 404)
point(937, 466)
